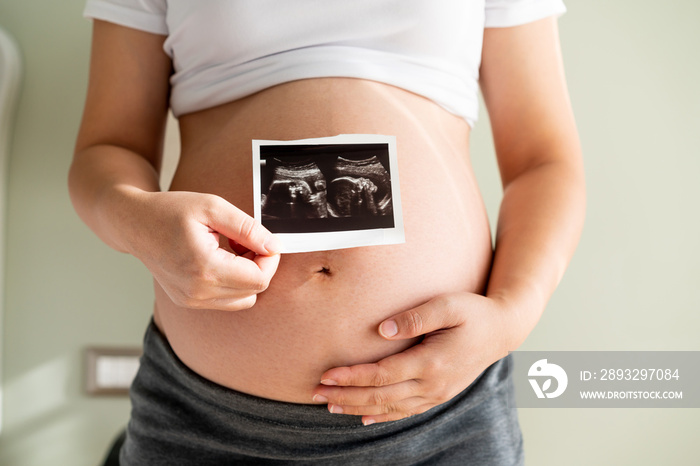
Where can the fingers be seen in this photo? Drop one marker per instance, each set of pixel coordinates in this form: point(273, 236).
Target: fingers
point(434, 315)
point(245, 273)
point(366, 400)
point(235, 224)
point(237, 279)
point(388, 371)
point(232, 304)
point(237, 248)
point(192, 264)
point(399, 410)
point(393, 388)
point(380, 404)
point(225, 281)
point(231, 286)
point(396, 415)
point(416, 379)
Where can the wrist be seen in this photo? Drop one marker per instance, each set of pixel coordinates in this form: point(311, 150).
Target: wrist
point(105, 182)
point(517, 316)
point(123, 210)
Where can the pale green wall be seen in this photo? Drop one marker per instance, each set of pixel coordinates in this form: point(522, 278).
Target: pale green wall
point(64, 289)
point(633, 69)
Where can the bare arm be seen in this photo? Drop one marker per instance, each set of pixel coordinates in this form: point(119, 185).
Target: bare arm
point(119, 146)
point(113, 183)
point(539, 157)
point(539, 225)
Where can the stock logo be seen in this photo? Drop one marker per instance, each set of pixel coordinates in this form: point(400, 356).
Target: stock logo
point(546, 372)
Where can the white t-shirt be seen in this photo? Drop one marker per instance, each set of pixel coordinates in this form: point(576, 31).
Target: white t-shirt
point(223, 50)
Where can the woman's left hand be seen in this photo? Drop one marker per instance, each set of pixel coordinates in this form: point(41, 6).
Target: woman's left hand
point(463, 335)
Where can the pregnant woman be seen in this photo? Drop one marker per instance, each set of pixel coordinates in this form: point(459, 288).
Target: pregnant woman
point(372, 355)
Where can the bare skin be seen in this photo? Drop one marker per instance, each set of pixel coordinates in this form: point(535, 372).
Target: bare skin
point(322, 309)
point(338, 327)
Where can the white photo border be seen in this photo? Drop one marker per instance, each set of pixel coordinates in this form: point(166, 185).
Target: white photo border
point(325, 241)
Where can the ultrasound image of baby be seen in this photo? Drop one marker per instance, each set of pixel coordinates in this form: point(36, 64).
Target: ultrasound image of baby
point(297, 190)
point(359, 188)
point(329, 193)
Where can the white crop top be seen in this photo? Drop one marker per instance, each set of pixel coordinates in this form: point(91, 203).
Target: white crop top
point(223, 50)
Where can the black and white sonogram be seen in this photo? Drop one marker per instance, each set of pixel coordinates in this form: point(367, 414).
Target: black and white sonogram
point(329, 188)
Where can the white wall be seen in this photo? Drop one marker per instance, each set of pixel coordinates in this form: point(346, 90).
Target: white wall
point(633, 70)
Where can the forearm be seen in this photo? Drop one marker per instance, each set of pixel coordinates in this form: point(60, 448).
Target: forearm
point(540, 222)
point(104, 183)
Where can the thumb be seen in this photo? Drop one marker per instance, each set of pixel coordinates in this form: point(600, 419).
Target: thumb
point(240, 227)
point(436, 314)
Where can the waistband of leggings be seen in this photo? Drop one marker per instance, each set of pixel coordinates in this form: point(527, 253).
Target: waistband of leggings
point(159, 356)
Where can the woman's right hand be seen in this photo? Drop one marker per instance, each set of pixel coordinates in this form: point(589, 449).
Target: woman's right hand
point(177, 235)
point(114, 183)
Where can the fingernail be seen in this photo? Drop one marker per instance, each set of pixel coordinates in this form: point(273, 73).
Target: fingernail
point(368, 422)
point(273, 245)
point(389, 328)
point(335, 409)
point(328, 382)
point(320, 399)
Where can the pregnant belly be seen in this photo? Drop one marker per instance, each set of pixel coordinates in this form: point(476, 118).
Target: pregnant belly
point(322, 309)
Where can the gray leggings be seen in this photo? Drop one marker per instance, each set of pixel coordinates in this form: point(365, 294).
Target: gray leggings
point(180, 418)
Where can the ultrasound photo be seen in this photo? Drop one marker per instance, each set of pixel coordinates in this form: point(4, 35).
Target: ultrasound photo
point(341, 184)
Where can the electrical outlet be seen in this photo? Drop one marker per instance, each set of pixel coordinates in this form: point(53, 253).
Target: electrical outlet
point(110, 371)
